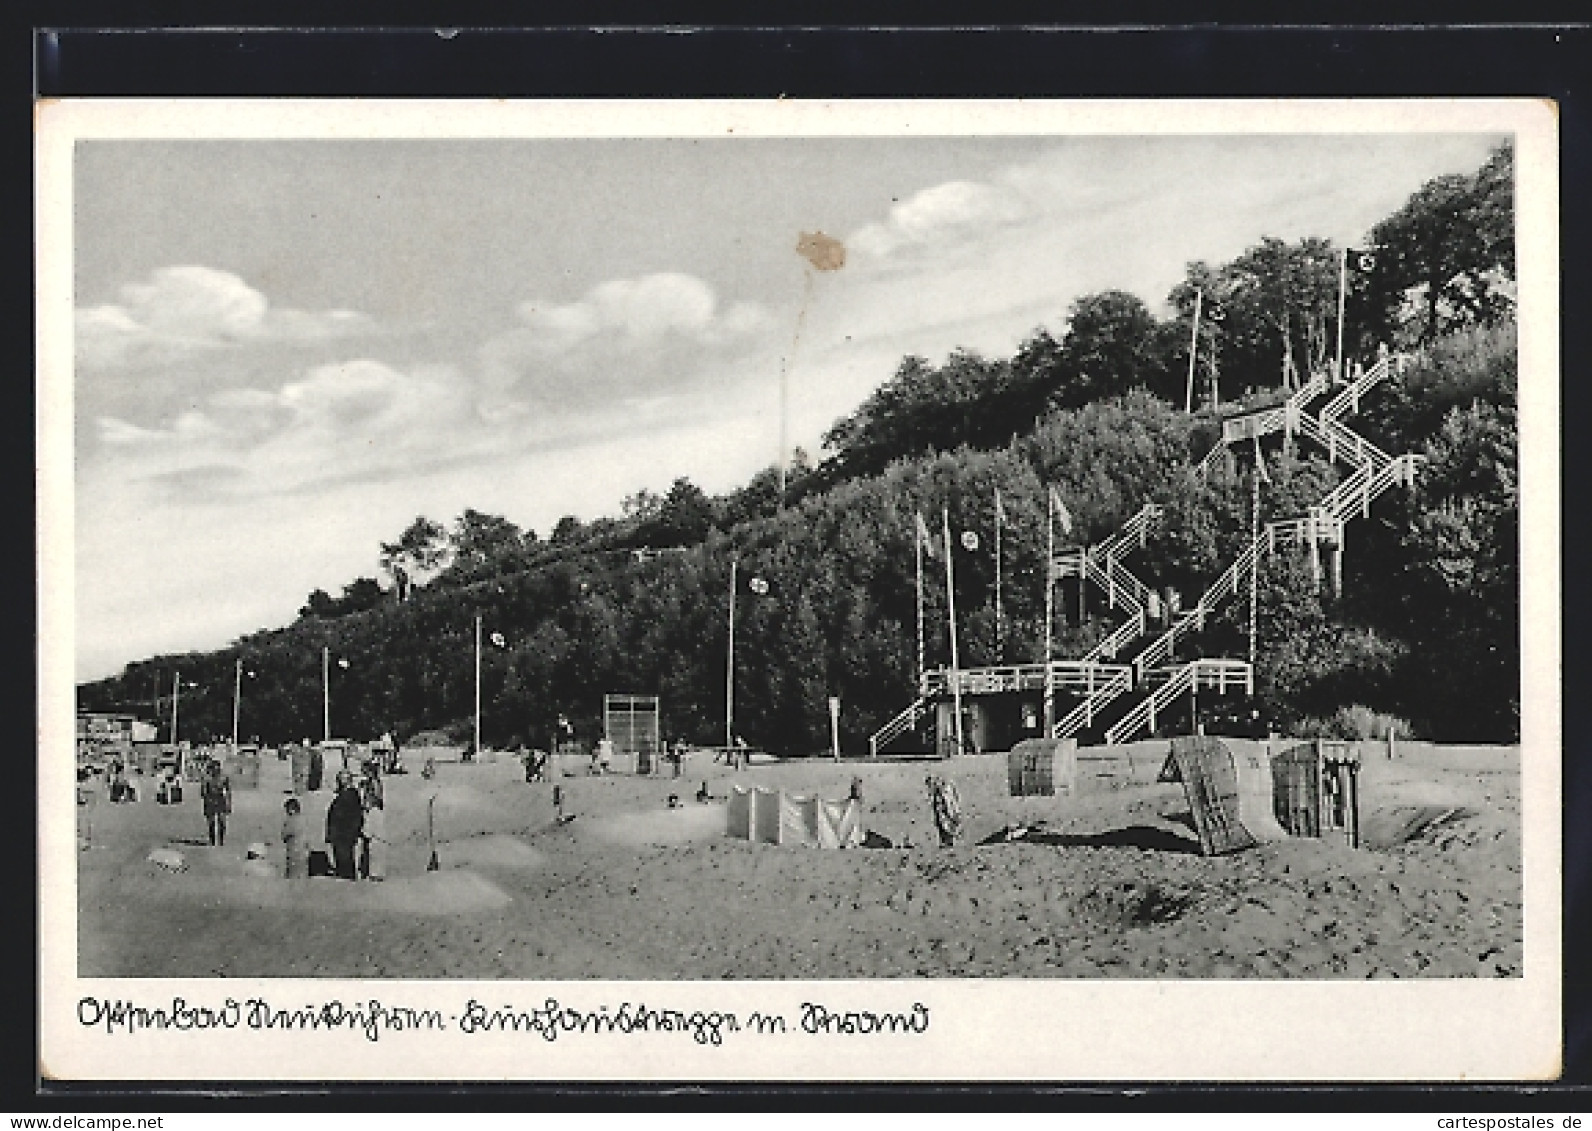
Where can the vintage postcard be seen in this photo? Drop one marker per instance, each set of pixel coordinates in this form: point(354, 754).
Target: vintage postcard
point(799, 591)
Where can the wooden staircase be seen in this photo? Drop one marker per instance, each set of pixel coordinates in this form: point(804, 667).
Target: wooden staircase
point(1374, 472)
point(1126, 698)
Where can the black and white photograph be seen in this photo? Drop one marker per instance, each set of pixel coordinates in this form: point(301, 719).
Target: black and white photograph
point(921, 555)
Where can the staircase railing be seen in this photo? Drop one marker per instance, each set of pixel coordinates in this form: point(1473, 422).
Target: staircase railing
point(1111, 646)
point(1078, 675)
point(905, 721)
point(1084, 713)
point(1360, 490)
point(1348, 400)
point(1340, 439)
point(1285, 416)
point(1320, 381)
point(1315, 526)
point(1161, 647)
point(1219, 674)
point(1133, 530)
point(1212, 458)
point(1146, 709)
point(1261, 423)
point(1119, 583)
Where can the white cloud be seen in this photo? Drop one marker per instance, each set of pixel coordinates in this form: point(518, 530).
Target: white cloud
point(624, 339)
point(195, 301)
point(638, 311)
point(187, 308)
point(354, 420)
point(946, 213)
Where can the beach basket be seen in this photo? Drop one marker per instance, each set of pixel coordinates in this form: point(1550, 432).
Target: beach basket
point(1043, 767)
point(1316, 790)
point(1229, 792)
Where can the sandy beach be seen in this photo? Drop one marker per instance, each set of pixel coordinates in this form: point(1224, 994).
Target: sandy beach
point(1107, 884)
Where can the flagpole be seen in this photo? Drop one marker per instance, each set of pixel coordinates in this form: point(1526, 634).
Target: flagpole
point(1254, 561)
point(729, 672)
point(1343, 290)
point(1000, 631)
point(917, 541)
point(237, 696)
point(477, 684)
point(1193, 349)
point(326, 693)
point(1050, 586)
point(950, 605)
point(176, 693)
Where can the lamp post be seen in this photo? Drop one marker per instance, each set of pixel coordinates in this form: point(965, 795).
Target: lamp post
point(1343, 292)
point(950, 604)
point(237, 699)
point(477, 746)
point(177, 684)
point(729, 670)
point(326, 690)
point(326, 694)
point(834, 725)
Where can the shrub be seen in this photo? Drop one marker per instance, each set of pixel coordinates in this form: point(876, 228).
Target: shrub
point(1358, 722)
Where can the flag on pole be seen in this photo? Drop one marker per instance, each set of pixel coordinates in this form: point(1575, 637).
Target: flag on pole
point(1063, 515)
point(498, 639)
point(969, 540)
point(1362, 259)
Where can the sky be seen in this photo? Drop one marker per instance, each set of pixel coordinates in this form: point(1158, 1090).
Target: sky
point(285, 350)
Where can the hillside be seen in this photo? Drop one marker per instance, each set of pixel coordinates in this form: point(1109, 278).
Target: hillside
point(1426, 628)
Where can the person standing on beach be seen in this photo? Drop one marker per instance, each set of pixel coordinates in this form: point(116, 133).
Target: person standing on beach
point(295, 848)
point(345, 820)
point(86, 800)
point(373, 833)
point(216, 793)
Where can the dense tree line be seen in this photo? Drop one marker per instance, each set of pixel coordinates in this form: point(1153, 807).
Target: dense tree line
point(1426, 627)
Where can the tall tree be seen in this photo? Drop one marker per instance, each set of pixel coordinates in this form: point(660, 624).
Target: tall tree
point(1109, 348)
point(1446, 259)
point(420, 551)
point(481, 545)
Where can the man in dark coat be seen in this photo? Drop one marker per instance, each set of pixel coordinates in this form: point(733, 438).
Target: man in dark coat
point(345, 823)
point(216, 793)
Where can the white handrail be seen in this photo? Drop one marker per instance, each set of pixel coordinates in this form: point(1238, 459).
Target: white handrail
point(1112, 645)
point(1083, 714)
point(1161, 647)
point(1218, 674)
point(1134, 529)
point(1145, 710)
point(1349, 398)
point(907, 718)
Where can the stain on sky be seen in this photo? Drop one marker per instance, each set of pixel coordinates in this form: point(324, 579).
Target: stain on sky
point(824, 252)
